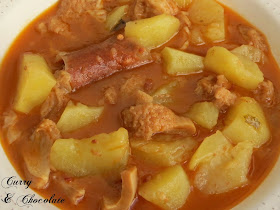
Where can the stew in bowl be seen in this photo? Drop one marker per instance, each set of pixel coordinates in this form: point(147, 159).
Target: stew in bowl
point(135, 104)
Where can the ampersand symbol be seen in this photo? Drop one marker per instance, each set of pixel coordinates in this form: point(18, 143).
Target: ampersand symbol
point(8, 198)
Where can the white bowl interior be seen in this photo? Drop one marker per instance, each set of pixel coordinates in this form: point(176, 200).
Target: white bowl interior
point(265, 14)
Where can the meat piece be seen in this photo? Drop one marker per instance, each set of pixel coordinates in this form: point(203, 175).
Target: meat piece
point(42, 28)
point(148, 119)
point(132, 90)
point(253, 37)
point(111, 95)
point(74, 192)
point(58, 97)
point(149, 85)
point(143, 98)
point(224, 98)
point(132, 85)
point(102, 60)
point(208, 85)
point(36, 153)
point(11, 130)
point(265, 93)
point(183, 17)
point(58, 26)
point(186, 43)
point(205, 86)
point(217, 88)
point(140, 10)
point(129, 187)
point(222, 82)
point(159, 7)
point(148, 8)
point(186, 24)
point(156, 57)
point(70, 10)
point(73, 9)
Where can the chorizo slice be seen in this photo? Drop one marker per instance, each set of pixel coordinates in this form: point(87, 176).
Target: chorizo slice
point(99, 61)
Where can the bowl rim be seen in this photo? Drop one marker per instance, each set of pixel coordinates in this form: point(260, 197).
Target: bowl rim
point(266, 196)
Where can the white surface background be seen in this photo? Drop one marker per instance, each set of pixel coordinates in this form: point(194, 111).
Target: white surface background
point(265, 14)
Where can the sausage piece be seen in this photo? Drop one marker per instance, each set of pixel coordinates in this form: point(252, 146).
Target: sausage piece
point(99, 61)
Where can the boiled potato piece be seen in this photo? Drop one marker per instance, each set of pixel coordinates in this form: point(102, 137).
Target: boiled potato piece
point(211, 146)
point(215, 32)
point(204, 114)
point(115, 16)
point(246, 122)
point(35, 83)
point(209, 15)
point(183, 4)
point(153, 32)
point(160, 152)
point(252, 67)
point(251, 52)
point(225, 172)
point(238, 69)
point(163, 95)
point(78, 115)
point(168, 189)
point(204, 12)
point(103, 154)
point(181, 63)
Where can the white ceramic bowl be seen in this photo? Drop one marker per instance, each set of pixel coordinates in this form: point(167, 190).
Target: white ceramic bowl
point(264, 14)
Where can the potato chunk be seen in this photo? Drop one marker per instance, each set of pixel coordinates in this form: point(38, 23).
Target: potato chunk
point(252, 67)
point(211, 146)
point(205, 114)
point(209, 15)
point(160, 152)
point(181, 63)
point(251, 52)
point(215, 31)
point(35, 83)
point(226, 171)
point(204, 12)
point(246, 122)
point(220, 166)
point(115, 16)
point(168, 189)
point(238, 69)
point(78, 116)
point(103, 154)
point(153, 32)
